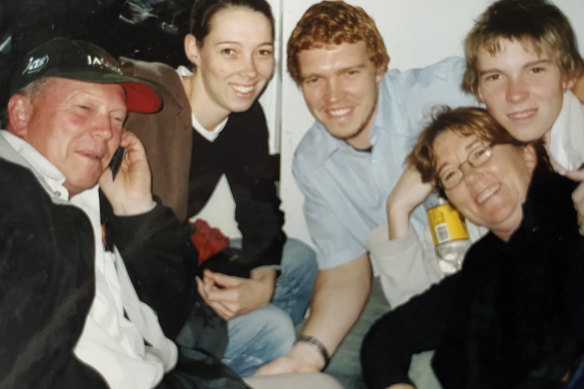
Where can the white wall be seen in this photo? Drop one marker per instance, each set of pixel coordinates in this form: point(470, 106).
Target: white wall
point(416, 33)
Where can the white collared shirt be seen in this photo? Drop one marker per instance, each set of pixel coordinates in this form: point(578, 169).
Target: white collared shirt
point(567, 135)
point(210, 135)
point(110, 343)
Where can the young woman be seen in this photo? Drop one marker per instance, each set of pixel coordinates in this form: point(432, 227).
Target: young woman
point(212, 125)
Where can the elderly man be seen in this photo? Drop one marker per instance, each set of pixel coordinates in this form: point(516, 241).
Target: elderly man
point(68, 309)
point(69, 314)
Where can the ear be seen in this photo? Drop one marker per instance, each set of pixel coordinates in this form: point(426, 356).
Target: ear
point(578, 88)
point(379, 74)
point(568, 83)
point(19, 113)
point(530, 157)
point(477, 92)
point(192, 49)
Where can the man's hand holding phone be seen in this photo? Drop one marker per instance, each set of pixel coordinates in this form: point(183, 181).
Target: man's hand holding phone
point(127, 181)
point(116, 161)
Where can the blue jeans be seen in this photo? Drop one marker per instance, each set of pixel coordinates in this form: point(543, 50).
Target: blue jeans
point(577, 380)
point(261, 336)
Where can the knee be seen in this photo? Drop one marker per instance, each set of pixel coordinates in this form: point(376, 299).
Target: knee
point(277, 328)
point(299, 257)
point(270, 328)
point(257, 338)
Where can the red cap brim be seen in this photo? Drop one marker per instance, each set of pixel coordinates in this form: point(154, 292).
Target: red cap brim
point(141, 97)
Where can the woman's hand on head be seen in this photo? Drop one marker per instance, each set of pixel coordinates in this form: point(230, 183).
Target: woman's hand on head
point(408, 193)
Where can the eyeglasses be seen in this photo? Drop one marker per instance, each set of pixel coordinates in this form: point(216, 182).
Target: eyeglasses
point(478, 156)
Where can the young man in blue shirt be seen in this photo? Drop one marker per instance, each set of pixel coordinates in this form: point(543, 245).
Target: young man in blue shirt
point(347, 164)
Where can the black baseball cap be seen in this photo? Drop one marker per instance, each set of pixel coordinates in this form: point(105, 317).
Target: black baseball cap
point(83, 61)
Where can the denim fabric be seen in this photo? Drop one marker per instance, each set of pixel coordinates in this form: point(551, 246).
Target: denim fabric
point(261, 336)
point(577, 380)
point(294, 381)
point(294, 286)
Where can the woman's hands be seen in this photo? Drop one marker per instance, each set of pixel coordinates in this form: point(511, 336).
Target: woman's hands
point(233, 296)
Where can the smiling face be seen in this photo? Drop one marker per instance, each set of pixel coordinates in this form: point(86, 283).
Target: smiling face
point(492, 194)
point(340, 85)
point(76, 125)
point(522, 89)
point(233, 63)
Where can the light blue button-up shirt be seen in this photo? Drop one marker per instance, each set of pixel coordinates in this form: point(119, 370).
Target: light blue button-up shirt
point(345, 190)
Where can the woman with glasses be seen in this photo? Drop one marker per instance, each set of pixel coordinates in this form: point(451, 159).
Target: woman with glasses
point(513, 317)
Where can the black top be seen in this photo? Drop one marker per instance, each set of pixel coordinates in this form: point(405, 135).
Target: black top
point(241, 153)
point(513, 317)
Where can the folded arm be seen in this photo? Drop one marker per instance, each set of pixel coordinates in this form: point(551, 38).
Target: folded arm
point(409, 329)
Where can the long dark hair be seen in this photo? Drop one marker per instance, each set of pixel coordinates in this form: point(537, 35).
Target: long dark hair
point(204, 10)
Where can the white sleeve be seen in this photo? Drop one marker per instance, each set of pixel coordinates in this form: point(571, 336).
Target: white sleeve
point(405, 266)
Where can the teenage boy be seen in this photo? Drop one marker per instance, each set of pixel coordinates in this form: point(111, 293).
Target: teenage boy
point(522, 60)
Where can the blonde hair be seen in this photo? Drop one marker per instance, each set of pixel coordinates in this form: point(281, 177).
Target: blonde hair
point(536, 23)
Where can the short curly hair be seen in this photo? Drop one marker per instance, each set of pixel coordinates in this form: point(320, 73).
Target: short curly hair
point(537, 23)
point(330, 23)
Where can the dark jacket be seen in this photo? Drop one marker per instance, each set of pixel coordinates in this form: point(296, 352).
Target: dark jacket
point(47, 279)
point(511, 318)
point(186, 167)
point(46, 286)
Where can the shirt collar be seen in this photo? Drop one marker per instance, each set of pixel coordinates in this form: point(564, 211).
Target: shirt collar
point(52, 178)
point(328, 144)
point(566, 137)
point(209, 135)
point(205, 133)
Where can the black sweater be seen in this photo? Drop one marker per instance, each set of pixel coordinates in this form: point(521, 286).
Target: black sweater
point(47, 279)
point(511, 318)
point(241, 153)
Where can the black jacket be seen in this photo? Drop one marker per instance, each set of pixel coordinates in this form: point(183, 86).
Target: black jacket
point(47, 278)
point(513, 317)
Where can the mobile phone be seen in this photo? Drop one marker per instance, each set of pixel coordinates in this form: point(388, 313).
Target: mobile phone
point(116, 161)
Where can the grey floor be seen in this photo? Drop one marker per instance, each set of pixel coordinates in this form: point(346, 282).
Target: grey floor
point(345, 365)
